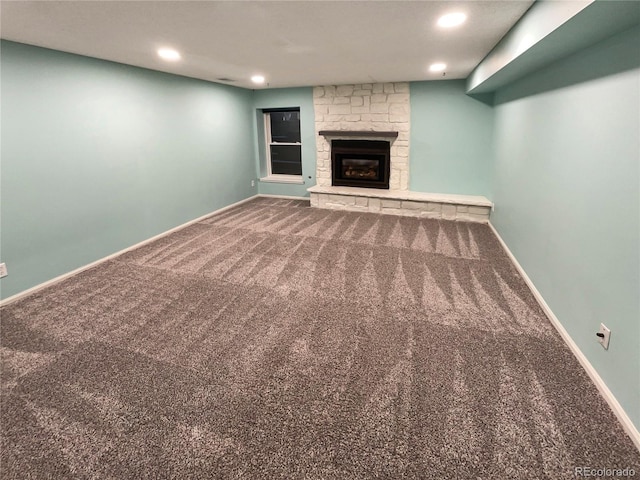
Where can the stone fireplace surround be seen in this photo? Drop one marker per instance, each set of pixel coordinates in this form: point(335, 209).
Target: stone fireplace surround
point(368, 108)
point(342, 112)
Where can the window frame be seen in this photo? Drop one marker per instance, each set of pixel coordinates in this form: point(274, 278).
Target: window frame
point(268, 141)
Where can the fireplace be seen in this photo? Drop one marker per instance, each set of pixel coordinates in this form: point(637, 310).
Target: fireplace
point(360, 163)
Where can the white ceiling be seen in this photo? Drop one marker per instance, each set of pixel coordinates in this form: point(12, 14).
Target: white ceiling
point(292, 43)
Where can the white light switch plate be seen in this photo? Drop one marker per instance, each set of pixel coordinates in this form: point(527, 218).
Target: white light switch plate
point(604, 340)
point(3, 270)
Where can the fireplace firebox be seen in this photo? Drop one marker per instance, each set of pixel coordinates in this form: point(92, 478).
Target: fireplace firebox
point(360, 163)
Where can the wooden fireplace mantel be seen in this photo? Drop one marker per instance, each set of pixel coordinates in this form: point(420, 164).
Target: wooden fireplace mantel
point(357, 133)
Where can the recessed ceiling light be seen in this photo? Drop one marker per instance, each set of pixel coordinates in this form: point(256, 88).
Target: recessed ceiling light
point(257, 79)
point(169, 54)
point(437, 67)
point(452, 20)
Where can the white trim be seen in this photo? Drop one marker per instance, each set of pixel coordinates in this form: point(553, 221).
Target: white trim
point(297, 179)
point(271, 177)
point(286, 197)
point(619, 412)
point(267, 140)
point(64, 276)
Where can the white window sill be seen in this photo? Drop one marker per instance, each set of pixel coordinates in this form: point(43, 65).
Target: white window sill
point(297, 179)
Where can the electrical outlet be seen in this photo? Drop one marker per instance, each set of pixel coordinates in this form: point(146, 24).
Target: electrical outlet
point(253, 183)
point(603, 336)
point(3, 270)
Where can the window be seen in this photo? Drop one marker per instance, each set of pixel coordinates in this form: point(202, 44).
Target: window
point(284, 149)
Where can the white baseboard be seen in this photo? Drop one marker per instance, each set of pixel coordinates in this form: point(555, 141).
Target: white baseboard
point(287, 197)
point(619, 412)
point(64, 276)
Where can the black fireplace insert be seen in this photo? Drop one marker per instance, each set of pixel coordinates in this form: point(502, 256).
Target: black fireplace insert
point(360, 163)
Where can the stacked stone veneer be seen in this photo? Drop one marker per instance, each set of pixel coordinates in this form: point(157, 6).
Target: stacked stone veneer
point(382, 107)
point(405, 208)
point(465, 208)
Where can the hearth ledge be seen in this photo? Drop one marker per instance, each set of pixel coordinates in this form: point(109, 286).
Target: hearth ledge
point(468, 208)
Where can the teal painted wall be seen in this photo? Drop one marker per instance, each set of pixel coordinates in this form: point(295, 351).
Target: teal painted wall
point(280, 98)
point(97, 156)
point(566, 190)
point(451, 140)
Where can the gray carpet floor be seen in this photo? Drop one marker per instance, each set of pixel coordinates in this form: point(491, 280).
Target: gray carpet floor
point(275, 340)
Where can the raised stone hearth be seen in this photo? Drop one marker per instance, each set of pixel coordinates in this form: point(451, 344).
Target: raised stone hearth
point(467, 208)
